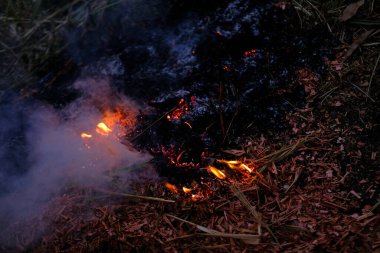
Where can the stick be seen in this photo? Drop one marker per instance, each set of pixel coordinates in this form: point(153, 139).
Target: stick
point(135, 196)
point(372, 75)
point(155, 122)
point(221, 118)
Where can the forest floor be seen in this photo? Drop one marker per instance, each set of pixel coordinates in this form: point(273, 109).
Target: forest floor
point(316, 190)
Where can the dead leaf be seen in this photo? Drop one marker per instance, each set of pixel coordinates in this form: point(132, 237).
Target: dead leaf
point(350, 11)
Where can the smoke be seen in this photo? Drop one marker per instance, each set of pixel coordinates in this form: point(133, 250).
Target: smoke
point(42, 152)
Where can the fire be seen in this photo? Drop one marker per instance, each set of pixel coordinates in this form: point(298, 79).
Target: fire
point(236, 165)
point(119, 116)
point(171, 187)
point(218, 173)
point(86, 136)
point(183, 107)
point(187, 190)
point(103, 129)
point(250, 52)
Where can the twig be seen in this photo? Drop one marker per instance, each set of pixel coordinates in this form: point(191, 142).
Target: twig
point(247, 238)
point(229, 126)
point(135, 196)
point(282, 153)
point(220, 109)
point(372, 75)
point(151, 125)
point(375, 206)
point(356, 44)
point(296, 177)
point(240, 195)
point(362, 91)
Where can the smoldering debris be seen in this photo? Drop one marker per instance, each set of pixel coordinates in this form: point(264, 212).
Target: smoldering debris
point(42, 151)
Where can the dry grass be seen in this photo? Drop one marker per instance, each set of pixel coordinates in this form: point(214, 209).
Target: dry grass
point(32, 32)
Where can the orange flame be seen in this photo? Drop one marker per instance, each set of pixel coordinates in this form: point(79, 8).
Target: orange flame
point(218, 173)
point(171, 187)
point(236, 165)
point(85, 135)
point(103, 129)
point(195, 197)
point(187, 190)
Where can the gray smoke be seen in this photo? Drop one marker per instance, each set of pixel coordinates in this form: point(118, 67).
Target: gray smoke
point(42, 152)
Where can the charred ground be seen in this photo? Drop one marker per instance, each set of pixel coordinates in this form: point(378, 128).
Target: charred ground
point(260, 80)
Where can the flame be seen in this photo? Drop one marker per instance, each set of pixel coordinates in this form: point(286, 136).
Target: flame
point(171, 187)
point(246, 167)
point(195, 197)
point(85, 135)
point(218, 173)
point(103, 129)
point(187, 190)
point(236, 165)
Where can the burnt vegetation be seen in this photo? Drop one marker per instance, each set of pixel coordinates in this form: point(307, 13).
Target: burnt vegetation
point(261, 117)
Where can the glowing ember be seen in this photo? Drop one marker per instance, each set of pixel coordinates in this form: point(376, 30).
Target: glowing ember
point(183, 107)
point(103, 129)
point(246, 167)
point(250, 53)
point(86, 136)
point(218, 173)
point(188, 124)
point(236, 165)
point(195, 197)
point(226, 68)
point(187, 190)
point(171, 187)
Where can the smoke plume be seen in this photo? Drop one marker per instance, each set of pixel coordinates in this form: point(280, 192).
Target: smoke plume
point(42, 151)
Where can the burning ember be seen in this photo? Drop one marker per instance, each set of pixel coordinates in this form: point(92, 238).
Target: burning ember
point(233, 171)
point(218, 173)
point(187, 190)
point(171, 187)
point(251, 52)
point(181, 110)
point(103, 129)
point(236, 165)
point(86, 136)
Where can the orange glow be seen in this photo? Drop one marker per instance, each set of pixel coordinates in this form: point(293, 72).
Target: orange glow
point(187, 190)
point(119, 116)
point(85, 135)
point(195, 197)
point(218, 33)
point(218, 173)
point(183, 107)
point(236, 165)
point(103, 129)
point(188, 124)
point(246, 167)
point(226, 68)
point(171, 187)
point(250, 52)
